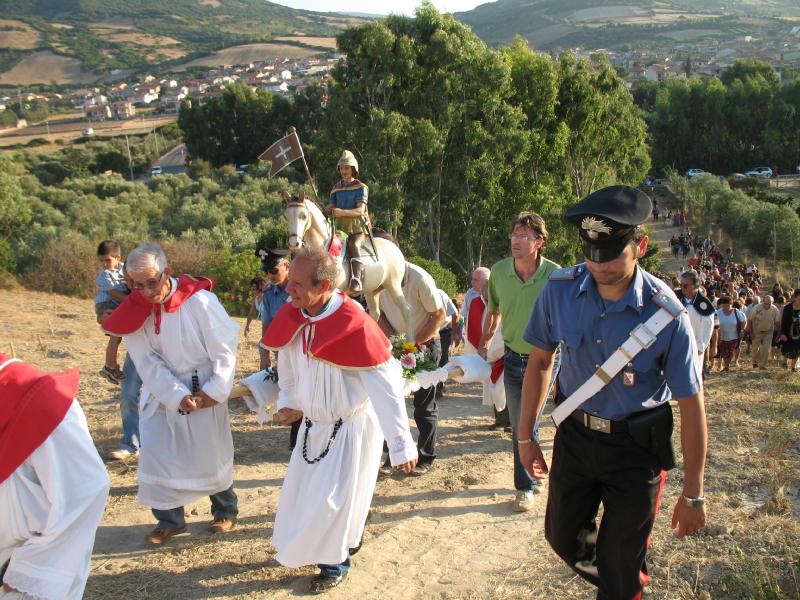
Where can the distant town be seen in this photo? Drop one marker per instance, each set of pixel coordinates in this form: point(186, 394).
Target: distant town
point(122, 99)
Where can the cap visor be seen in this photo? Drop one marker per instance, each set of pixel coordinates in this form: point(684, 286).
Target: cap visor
point(601, 253)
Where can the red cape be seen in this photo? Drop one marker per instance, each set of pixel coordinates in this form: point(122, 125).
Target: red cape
point(348, 338)
point(129, 316)
point(32, 404)
point(475, 321)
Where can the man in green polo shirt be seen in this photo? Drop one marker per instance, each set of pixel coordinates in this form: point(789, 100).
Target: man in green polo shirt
point(514, 286)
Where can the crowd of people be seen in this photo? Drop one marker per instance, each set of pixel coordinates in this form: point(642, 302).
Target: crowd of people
point(749, 317)
point(610, 342)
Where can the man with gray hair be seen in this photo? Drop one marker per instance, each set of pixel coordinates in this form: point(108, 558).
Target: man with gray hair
point(701, 313)
point(337, 373)
point(183, 344)
point(761, 322)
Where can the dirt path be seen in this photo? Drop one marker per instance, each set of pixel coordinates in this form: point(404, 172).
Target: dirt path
point(449, 534)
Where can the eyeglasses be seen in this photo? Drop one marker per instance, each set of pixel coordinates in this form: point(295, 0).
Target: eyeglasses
point(273, 271)
point(686, 286)
point(150, 284)
point(522, 238)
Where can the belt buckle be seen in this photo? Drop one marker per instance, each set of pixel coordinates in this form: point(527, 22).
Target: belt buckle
point(597, 423)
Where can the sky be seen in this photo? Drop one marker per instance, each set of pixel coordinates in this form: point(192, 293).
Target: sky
point(379, 6)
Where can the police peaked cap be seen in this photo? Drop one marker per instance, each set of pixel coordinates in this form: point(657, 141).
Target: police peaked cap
point(270, 257)
point(607, 220)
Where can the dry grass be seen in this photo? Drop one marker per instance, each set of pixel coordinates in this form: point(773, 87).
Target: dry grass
point(17, 35)
point(325, 42)
point(242, 55)
point(46, 67)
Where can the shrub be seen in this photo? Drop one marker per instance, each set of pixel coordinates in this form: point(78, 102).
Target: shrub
point(186, 256)
point(233, 271)
point(445, 279)
point(66, 265)
point(8, 262)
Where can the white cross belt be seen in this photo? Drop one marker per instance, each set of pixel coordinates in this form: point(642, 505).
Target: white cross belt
point(642, 337)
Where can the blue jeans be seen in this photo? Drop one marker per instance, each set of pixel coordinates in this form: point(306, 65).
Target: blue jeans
point(224, 505)
point(129, 406)
point(513, 373)
point(335, 570)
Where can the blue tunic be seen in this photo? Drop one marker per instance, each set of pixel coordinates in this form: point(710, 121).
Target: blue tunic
point(570, 312)
point(349, 195)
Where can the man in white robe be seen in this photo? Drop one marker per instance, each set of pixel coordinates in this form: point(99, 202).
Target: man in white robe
point(337, 373)
point(53, 485)
point(183, 344)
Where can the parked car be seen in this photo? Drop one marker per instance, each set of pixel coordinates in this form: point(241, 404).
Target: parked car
point(694, 173)
point(241, 169)
point(156, 170)
point(760, 172)
point(88, 131)
point(738, 176)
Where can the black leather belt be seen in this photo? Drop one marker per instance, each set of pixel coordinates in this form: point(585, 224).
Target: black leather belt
point(598, 423)
point(517, 353)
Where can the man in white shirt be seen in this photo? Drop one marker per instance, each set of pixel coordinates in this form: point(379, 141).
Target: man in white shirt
point(183, 344)
point(337, 373)
point(701, 312)
point(427, 316)
point(53, 485)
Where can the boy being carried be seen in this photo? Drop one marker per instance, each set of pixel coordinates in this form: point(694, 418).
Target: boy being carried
point(111, 291)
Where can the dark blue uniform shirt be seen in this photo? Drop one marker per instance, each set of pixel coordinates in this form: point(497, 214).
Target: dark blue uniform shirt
point(570, 312)
point(274, 297)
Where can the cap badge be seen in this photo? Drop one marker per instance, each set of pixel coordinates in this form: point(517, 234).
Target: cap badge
point(594, 227)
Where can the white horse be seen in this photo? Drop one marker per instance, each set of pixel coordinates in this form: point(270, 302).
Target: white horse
point(309, 227)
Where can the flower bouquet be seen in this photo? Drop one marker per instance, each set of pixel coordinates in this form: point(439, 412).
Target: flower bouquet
point(412, 357)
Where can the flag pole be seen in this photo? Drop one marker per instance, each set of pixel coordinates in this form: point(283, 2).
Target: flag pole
point(305, 165)
point(293, 130)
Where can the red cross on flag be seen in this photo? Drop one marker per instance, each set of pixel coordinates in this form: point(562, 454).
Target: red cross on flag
point(283, 152)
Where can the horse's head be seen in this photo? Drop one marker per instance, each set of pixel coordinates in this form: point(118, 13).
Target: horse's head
point(298, 217)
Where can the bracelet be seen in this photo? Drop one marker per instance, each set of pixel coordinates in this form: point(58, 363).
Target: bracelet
point(528, 441)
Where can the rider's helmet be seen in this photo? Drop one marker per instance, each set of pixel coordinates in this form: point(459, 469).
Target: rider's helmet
point(348, 159)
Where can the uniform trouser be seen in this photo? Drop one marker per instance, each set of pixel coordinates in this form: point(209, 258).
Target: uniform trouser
point(446, 336)
point(224, 504)
point(590, 467)
point(762, 344)
point(426, 413)
point(129, 406)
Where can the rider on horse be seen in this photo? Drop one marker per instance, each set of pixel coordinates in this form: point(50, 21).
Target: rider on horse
point(348, 204)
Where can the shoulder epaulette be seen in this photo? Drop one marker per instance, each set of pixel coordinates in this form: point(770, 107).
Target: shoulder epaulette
point(341, 186)
point(702, 305)
point(567, 273)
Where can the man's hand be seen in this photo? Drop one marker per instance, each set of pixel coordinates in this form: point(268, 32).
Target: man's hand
point(483, 349)
point(290, 415)
point(196, 402)
point(8, 589)
point(531, 457)
point(407, 467)
point(188, 404)
point(687, 520)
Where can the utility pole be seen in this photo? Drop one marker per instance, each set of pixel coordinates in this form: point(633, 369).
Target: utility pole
point(130, 160)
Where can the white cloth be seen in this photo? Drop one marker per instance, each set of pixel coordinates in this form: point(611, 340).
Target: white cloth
point(263, 396)
point(702, 327)
point(51, 506)
point(727, 324)
point(185, 457)
point(494, 393)
point(323, 506)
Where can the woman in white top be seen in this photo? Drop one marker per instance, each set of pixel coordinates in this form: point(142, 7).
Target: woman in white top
point(732, 322)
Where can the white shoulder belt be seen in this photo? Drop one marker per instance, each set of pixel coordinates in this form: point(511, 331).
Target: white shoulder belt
point(642, 337)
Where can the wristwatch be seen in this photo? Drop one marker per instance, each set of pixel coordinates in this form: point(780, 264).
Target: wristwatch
point(698, 502)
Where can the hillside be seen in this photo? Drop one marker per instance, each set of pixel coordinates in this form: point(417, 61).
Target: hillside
point(548, 24)
point(115, 34)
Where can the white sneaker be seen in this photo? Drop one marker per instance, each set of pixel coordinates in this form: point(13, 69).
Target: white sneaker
point(523, 502)
point(122, 454)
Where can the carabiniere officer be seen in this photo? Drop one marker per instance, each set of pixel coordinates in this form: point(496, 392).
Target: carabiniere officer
point(615, 448)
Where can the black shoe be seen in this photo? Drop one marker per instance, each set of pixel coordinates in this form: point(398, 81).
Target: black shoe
point(320, 583)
